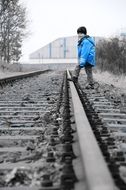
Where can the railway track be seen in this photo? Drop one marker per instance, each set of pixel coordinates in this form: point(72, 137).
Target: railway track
point(108, 125)
point(48, 132)
point(11, 79)
point(26, 108)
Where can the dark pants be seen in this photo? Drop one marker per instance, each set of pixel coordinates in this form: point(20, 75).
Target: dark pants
point(88, 70)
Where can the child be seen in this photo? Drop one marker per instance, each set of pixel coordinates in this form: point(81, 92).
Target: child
point(86, 56)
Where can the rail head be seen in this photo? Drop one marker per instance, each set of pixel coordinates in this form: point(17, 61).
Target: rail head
point(96, 170)
point(24, 75)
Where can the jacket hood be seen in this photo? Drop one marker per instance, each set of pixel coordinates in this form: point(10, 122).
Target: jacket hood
point(90, 39)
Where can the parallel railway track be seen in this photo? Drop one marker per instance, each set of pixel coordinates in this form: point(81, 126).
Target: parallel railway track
point(55, 134)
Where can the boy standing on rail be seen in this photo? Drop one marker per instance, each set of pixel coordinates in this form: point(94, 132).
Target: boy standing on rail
point(86, 56)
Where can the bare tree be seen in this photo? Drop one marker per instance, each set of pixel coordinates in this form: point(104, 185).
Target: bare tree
point(111, 55)
point(12, 29)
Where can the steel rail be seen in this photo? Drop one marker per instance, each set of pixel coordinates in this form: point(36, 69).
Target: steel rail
point(97, 173)
point(5, 80)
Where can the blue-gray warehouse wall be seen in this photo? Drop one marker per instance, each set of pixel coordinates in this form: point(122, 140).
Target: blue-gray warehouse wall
point(61, 48)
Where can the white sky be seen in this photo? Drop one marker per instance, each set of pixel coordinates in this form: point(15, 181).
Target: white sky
point(52, 19)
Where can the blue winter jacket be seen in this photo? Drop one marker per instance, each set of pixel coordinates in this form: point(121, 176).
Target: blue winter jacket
point(86, 51)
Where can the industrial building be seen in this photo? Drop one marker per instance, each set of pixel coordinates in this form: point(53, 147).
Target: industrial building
point(61, 50)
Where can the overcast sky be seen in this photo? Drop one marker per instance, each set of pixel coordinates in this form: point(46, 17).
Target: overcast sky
point(52, 19)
